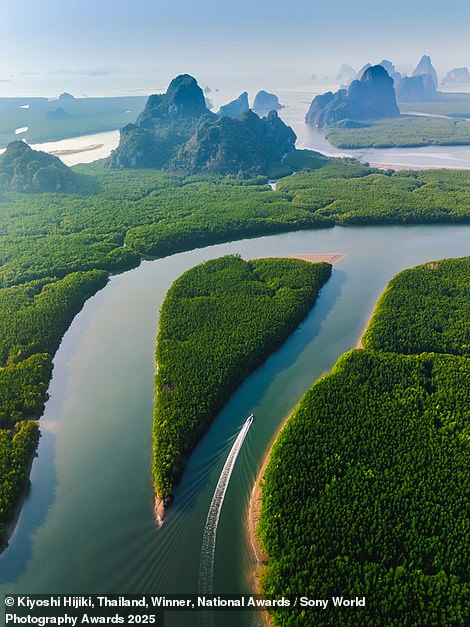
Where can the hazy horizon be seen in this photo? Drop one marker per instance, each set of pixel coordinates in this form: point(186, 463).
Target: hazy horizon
point(140, 46)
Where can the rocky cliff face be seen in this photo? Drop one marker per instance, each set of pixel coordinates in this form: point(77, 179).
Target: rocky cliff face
point(167, 121)
point(319, 105)
point(457, 75)
point(264, 102)
point(236, 107)
point(244, 146)
point(23, 169)
point(416, 89)
point(371, 97)
point(392, 71)
point(58, 113)
point(426, 67)
point(361, 72)
point(177, 131)
point(183, 100)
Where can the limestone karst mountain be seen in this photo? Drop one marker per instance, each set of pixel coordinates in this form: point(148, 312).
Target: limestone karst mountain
point(176, 131)
point(23, 169)
point(371, 97)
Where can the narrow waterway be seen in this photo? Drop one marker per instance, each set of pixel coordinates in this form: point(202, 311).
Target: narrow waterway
point(89, 148)
point(87, 525)
point(311, 138)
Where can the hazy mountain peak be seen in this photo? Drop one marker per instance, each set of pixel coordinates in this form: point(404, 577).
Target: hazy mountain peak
point(425, 66)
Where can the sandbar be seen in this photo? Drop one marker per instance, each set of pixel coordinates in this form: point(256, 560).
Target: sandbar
point(313, 258)
point(400, 166)
point(75, 151)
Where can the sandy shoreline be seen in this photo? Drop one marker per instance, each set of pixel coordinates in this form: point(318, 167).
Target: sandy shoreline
point(252, 519)
point(255, 502)
point(369, 318)
point(159, 511)
point(313, 258)
point(400, 167)
point(254, 505)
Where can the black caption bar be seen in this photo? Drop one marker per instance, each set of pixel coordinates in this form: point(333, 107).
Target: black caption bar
point(146, 609)
point(93, 609)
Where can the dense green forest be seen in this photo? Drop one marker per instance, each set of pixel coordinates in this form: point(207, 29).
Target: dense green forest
point(352, 193)
point(436, 316)
point(218, 322)
point(114, 217)
point(16, 449)
point(48, 120)
point(33, 318)
point(405, 131)
point(366, 491)
point(56, 250)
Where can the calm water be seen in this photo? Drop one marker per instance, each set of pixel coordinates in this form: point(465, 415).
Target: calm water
point(87, 524)
point(454, 157)
point(297, 100)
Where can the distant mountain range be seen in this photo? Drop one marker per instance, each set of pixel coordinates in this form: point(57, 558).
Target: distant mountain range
point(373, 96)
point(374, 93)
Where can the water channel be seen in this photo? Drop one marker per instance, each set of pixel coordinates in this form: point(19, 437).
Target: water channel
point(87, 525)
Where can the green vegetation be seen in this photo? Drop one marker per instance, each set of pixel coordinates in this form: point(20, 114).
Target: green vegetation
point(113, 217)
point(81, 116)
point(33, 315)
point(436, 316)
point(366, 491)
point(16, 449)
point(219, 321)
point(410, 130)
point(405, 131)
point(33, 318)
point(454, 105)
point(298, 160)
point(23, 169)
point(116, 216)
point(351, 193)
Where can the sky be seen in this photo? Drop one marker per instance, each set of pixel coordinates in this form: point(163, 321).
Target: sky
point(209, 38)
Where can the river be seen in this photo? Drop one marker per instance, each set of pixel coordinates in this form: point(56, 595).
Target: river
point(87, 524)
point(309, 137)
point(297, 100)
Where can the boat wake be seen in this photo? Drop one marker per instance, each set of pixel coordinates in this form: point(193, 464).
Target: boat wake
point(206, 572)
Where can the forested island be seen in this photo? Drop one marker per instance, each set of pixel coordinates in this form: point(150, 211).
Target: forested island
point(52, 241)
point(378, 110)
point(219, 321)
point(407, 131)
point(366, 491)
